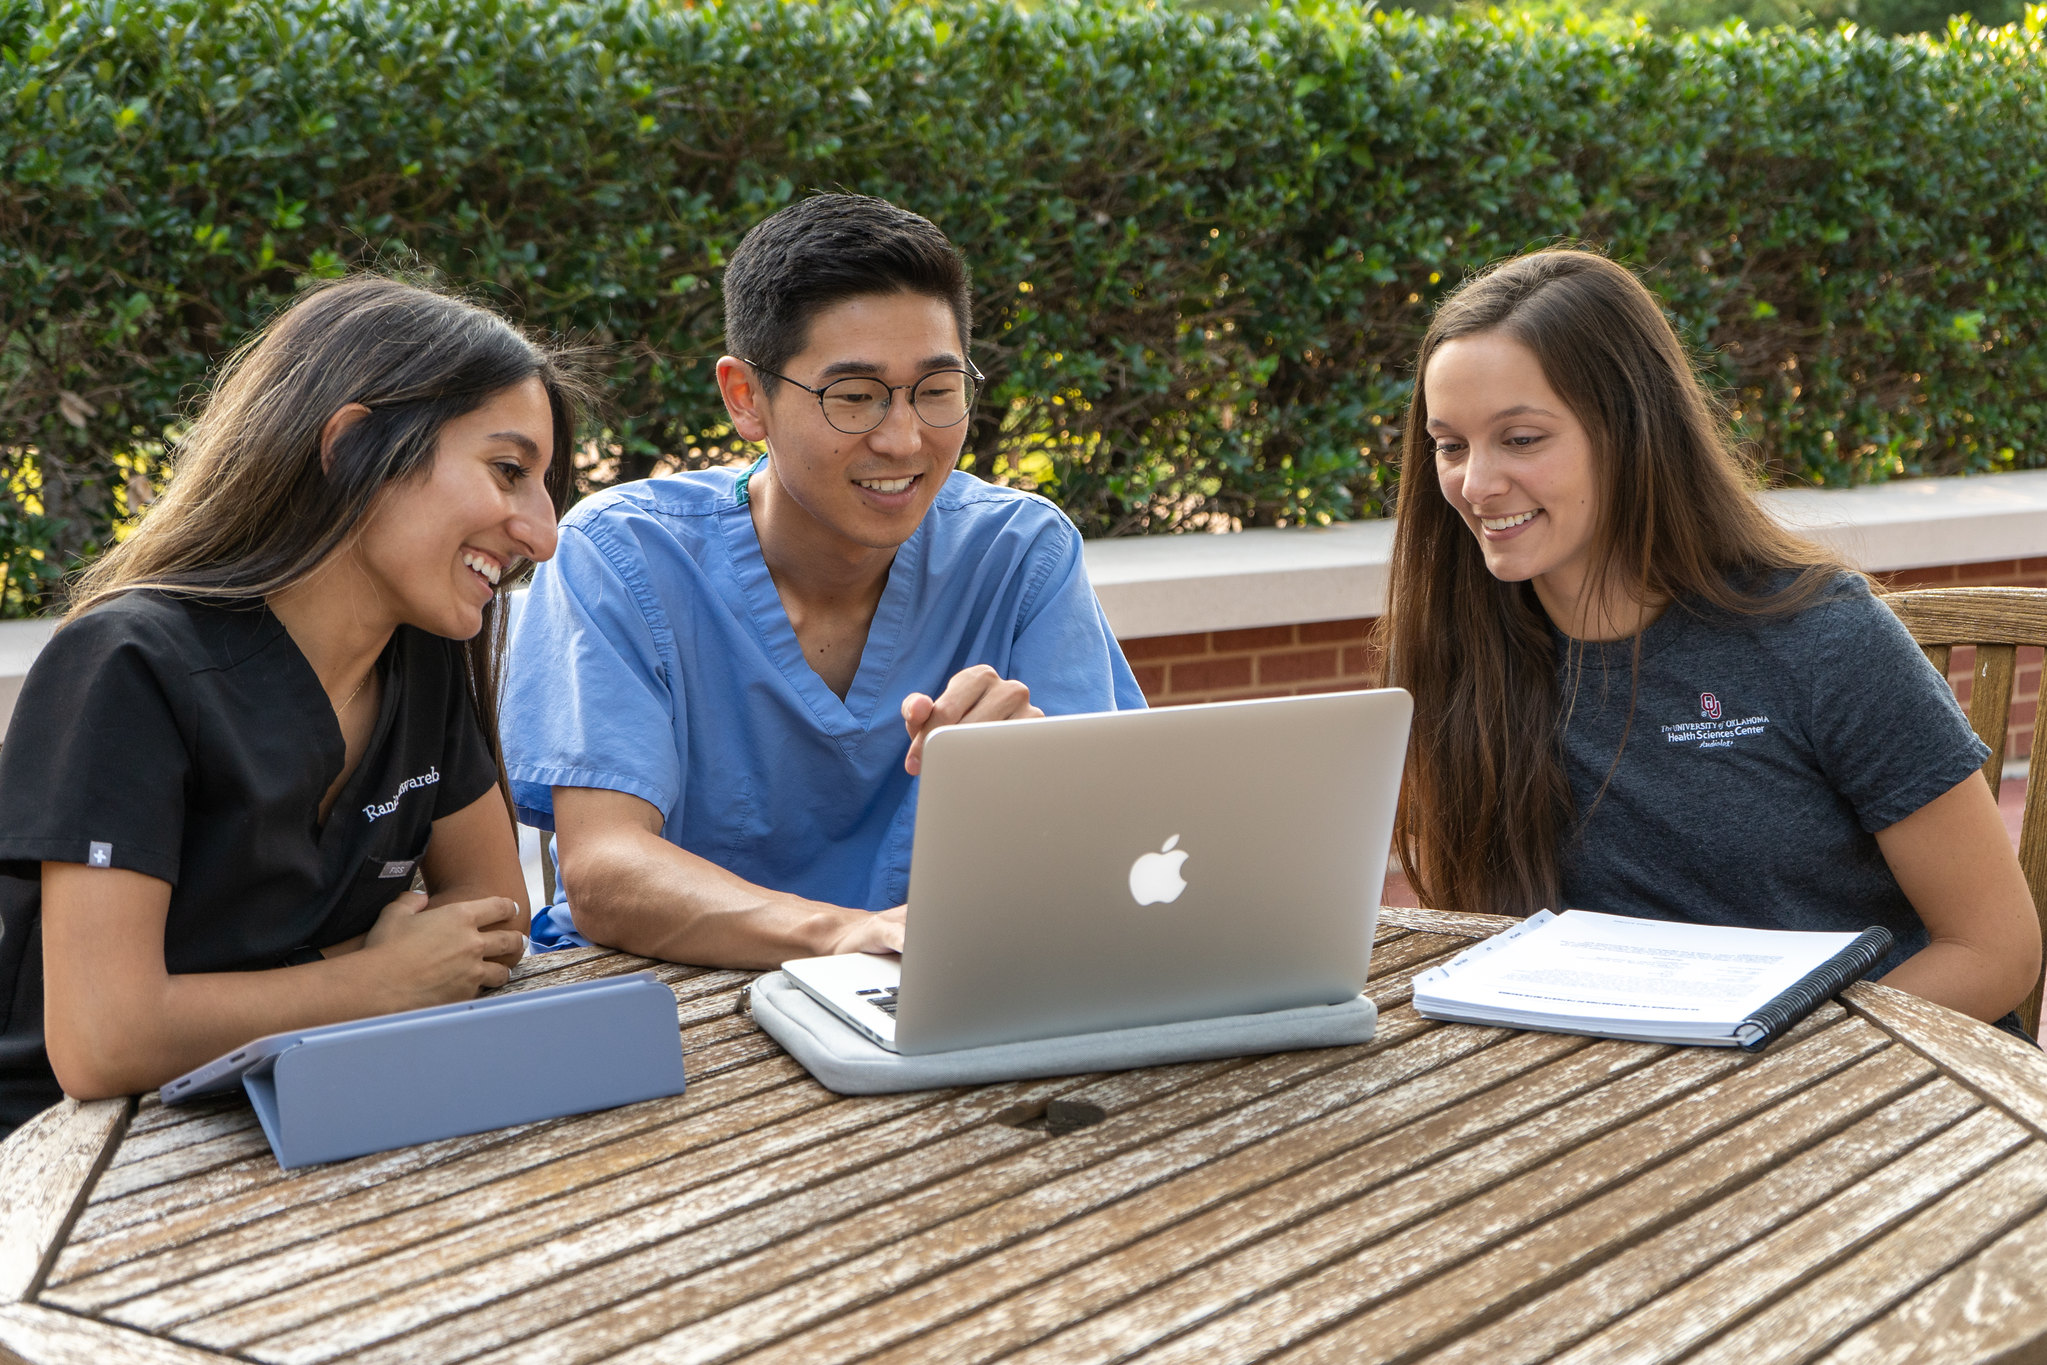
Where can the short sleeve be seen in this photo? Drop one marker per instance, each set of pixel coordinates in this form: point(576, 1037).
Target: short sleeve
point(95, 763)
point(589, 697)
point(1884, 725)
point(468, 769)
point(1064, 651)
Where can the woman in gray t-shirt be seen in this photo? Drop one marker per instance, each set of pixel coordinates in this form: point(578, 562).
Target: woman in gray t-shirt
point(1634, 692)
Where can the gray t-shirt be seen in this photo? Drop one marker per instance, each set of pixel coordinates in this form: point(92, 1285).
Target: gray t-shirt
point(1764, 754)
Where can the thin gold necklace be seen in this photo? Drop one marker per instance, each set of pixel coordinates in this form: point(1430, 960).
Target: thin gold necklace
point(342, 709)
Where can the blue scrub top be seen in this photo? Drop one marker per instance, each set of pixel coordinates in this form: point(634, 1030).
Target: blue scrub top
point(653, 656)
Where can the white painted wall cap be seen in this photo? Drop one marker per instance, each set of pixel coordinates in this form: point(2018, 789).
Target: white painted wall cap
point(1177, 585)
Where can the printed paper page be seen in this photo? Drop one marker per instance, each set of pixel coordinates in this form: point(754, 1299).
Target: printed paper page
point(1589, 965)
point(1482, 948)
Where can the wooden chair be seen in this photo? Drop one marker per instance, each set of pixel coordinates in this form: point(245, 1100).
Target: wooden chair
point(546, 867)
point(1996, 621)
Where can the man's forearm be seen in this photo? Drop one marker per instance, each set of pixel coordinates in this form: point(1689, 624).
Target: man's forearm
point(632, 889)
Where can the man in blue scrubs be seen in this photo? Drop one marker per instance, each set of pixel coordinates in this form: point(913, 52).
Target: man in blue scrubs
point(721, 684)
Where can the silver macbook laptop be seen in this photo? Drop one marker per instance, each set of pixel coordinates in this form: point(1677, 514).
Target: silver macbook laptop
point(1080, 873)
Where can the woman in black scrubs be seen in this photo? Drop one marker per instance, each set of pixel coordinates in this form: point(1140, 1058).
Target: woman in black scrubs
point(259, 720)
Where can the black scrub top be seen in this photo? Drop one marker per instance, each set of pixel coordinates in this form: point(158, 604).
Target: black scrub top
point(192, 743)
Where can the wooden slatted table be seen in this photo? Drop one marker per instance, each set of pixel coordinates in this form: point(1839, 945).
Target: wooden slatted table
point(1871, 1189)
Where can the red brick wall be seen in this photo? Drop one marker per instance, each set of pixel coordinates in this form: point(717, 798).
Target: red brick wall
point(1328, 656)
point(2007, 573)
point(1270, 661)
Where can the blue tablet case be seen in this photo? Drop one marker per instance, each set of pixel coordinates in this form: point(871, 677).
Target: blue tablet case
point(347, 1090)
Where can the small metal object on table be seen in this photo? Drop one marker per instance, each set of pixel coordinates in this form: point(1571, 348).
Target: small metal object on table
point(1872, 1188)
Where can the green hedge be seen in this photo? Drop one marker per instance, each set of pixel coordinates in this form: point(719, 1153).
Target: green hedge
point(1205, 248)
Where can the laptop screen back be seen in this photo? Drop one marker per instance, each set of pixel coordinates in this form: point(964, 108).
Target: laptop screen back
point(1079, 873)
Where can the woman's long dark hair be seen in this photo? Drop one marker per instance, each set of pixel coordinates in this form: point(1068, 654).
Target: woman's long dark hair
point(1486, 804)
point(250, 510)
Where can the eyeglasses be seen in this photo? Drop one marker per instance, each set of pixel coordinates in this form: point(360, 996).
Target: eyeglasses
point(857, 404)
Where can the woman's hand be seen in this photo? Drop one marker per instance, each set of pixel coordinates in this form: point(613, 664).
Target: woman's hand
point(474, 855)
point(437, 955)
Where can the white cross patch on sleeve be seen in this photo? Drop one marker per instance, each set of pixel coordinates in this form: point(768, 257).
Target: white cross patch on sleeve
point(99, 855)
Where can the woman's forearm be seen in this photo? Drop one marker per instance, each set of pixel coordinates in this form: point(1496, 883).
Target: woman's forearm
point(1967, 979)
point(1955, 863)
point(116, 1021)
point(103, 1046)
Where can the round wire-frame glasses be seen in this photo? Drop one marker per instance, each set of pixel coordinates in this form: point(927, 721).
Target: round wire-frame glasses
point(857, 404)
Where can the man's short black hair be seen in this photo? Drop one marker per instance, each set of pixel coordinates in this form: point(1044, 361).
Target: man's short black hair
point(827, 249)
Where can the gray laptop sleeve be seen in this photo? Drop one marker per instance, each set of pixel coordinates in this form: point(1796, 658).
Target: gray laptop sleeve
point(848, 1064)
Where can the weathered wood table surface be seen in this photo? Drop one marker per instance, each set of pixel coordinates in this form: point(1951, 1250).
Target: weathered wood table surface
point(1872, 1188)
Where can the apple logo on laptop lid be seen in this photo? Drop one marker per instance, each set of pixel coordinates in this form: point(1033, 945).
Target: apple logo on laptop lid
point(1155, 877)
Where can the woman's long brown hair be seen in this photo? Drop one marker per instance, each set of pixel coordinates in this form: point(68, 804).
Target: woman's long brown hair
point(251, 509)
point(1486, 805)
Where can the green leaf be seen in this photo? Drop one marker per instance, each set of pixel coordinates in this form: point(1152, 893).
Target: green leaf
point(1234, 226)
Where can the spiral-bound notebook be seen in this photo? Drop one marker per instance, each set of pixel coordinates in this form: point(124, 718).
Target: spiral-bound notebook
point(1646, 980)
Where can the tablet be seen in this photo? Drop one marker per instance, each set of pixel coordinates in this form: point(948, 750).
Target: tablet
point(226, 1072)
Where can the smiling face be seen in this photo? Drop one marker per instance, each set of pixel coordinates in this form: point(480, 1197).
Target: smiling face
point(435, 547)
point(1517, 465)
point(847, 496)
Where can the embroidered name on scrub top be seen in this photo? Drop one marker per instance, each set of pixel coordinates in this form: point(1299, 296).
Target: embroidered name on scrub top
point(425, 779)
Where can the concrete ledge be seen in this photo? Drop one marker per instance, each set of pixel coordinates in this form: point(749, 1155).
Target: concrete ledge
point(20, 642)
point(1178, 585)
point(1921, 523)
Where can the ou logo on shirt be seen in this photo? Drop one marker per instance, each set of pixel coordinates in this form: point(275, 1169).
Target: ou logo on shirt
point(1709, 706)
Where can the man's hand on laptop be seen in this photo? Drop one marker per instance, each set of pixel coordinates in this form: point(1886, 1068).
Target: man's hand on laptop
point(879, 932)
point(974, 694)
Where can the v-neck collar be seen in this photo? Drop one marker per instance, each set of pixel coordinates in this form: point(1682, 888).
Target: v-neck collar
point(326, 726)
point(389, 685)
point(852, 717)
